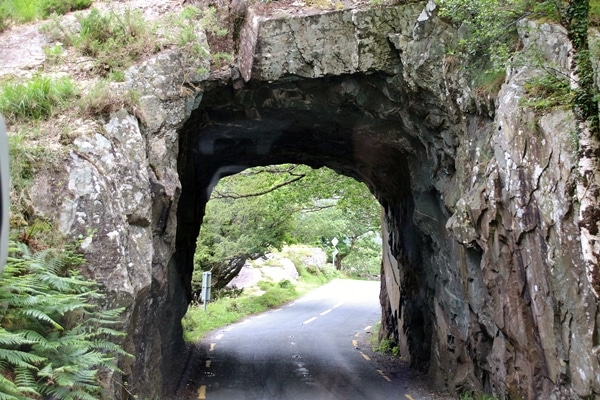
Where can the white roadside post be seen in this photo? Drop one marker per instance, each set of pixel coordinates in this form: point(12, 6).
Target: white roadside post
point(334, 242)
point(206, 278)
point(4, 194)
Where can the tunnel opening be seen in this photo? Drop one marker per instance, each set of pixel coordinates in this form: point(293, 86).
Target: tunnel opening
point(282, 209)
point(362, 126)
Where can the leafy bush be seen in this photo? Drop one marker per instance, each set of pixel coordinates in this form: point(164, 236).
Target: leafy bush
point(35, 99)
point(388, 346)
point(53, 339)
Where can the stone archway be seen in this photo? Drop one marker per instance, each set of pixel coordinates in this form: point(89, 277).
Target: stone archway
point(324, 122)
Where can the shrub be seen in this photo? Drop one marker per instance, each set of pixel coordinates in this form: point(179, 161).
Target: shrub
point(53, 339)
point(548, 91)
point(115, 41)
point(37, 98)
point(490, 27)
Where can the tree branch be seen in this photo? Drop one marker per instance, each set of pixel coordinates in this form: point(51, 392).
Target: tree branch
point(219, 195)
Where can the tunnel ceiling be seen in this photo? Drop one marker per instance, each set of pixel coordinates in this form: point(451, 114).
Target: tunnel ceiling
point(351, 124)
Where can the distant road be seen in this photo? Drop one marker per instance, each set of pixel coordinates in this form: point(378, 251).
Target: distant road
point(311, 349)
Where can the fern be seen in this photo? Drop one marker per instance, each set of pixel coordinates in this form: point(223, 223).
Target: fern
point(54, 340)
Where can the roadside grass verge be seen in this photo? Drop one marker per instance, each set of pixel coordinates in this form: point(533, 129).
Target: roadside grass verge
point(227, 310)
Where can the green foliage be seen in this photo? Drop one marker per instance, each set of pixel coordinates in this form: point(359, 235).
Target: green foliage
point(211, 23)
point(21, 11)
point(266, 207)
point(594, 13)
point(575, 18)
point(61, 7)
point(227, 310)
point(220, 59)
point(114, 41)
point(53, 339)
point(474, 396)
point(185, 34)
point(547, 92)
point(490, 27)
point(388, 346)
point(37, 98)
point(53, 53)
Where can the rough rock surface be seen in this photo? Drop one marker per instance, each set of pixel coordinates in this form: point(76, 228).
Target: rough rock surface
point(483, 283)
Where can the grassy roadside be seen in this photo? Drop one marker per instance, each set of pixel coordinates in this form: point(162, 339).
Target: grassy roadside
point(227, 310)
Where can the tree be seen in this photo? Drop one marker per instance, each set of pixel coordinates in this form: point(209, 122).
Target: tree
point(354, 217)
point(265, 207)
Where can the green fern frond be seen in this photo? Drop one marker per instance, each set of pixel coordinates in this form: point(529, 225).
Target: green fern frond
point(41, 316)
point(8, 389)
point(24, 380)
point(11, 339)
point(48, 308)
point(20, 358)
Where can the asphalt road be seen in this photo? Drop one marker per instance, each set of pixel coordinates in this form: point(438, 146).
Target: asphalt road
point(312, 349)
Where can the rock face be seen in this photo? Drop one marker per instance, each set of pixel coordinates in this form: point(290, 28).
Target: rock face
point(483, 283)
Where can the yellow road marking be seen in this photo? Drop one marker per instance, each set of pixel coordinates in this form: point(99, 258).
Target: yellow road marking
point(212, 347)
point(355, 343)
point(308, 321)
point(202, 392)
point(384, 376)
point(409, 397)
point(366, 357)
point(367, 328)
point(208, 362)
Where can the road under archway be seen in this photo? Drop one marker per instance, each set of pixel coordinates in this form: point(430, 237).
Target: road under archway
point(351, 124)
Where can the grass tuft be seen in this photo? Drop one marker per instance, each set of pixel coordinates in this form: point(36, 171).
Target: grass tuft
point(114, 41)
point(22, 11)
point(38, 98)
point(102, 100)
